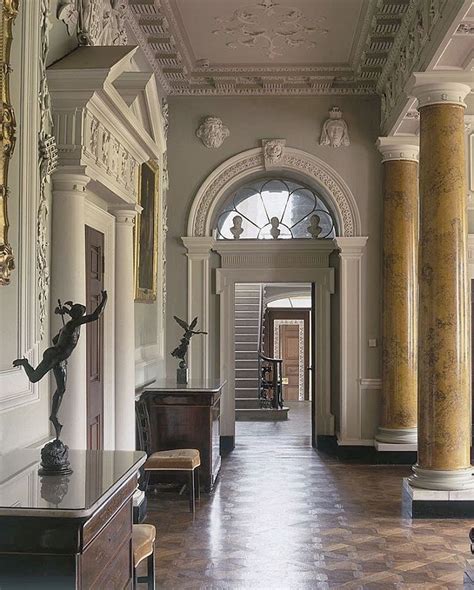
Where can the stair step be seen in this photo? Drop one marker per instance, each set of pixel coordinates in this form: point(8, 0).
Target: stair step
point(246, 356)
point(246, 383)
point(245, 339)
point(261, 414)
point(247, 347)
point(246, 363)
point(246, 373)
point(247, 403)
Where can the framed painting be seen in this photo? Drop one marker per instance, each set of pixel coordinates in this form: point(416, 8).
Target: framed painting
point(146, 233)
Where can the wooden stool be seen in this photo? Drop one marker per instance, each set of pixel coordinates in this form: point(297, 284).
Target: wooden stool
point(143, 545)
point(179, 460)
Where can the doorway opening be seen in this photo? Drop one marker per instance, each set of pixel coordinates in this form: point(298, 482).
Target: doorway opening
point(273, 344)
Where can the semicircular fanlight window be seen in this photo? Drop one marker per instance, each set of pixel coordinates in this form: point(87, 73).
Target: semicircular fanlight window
point(275, 209)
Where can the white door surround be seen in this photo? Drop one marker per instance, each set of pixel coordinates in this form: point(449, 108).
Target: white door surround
point(282, 261)
point(107, 123)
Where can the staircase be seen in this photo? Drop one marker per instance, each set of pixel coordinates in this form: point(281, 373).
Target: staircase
point(248, 314)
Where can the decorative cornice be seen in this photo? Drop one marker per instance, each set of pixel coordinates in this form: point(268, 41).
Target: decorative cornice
point(173, 60)
point(398, 148)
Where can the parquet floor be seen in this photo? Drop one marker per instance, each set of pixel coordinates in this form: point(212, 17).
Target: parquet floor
point(284, 517)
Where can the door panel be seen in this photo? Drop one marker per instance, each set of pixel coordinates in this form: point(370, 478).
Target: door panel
point(289, 345)
point(95, 339)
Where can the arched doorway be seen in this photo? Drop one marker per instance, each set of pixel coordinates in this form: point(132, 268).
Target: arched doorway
point(289, 261)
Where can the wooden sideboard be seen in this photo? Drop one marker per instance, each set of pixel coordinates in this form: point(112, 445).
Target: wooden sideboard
point(187, 417)
point(71, 532)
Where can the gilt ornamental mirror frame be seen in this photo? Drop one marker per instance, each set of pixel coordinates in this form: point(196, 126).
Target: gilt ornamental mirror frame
point(7, 18)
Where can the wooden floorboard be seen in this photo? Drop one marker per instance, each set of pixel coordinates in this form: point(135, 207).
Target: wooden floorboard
point(284, 517)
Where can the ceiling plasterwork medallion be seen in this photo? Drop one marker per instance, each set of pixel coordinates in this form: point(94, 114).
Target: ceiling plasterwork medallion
point(270, 27)
point(212, 132)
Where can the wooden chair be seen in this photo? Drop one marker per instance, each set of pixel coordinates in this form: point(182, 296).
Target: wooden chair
point(188, 460)
point(143, 545)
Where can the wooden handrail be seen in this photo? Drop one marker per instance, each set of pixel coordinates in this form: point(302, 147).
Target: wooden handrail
point(268, 359)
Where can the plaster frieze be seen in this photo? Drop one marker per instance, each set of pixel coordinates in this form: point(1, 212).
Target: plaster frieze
point(95, 22)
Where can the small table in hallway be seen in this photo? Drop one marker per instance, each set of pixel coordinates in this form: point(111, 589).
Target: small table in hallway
point(187, 416)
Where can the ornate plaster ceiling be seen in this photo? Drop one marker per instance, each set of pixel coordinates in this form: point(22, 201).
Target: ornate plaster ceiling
point(269, 46)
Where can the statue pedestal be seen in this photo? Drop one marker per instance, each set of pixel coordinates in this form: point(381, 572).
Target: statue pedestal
point(54, 459)
point(182, 375)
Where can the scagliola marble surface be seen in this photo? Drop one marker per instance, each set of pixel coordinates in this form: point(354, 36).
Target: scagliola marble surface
point(444, 419)
point(400, 251)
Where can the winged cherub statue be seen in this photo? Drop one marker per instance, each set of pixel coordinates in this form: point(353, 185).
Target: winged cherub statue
point(181, 350)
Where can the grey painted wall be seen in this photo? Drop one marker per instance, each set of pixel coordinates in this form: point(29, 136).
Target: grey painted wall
point(250, 119)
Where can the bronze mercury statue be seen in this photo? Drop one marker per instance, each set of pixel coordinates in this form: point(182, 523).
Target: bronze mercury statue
point(55, 358)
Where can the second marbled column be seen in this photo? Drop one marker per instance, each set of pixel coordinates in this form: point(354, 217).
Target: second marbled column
point(399, 319)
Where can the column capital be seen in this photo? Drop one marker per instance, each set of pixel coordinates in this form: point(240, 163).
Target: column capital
point(351, 247)
point(70, 179)
point(198, 247)
point(399, 147)
point(440, 87)
point(126, 214)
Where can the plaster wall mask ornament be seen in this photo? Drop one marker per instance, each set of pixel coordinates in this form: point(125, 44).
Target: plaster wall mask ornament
point(270, 28)
point(335, 132)
point(212, 132)
point(95, 22)
point(273, 150)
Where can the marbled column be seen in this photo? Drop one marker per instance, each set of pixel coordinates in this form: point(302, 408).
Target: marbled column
point(399, 318)
point(444, 410)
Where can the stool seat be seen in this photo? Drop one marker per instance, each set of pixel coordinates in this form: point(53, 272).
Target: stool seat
point(177, 459)
point(143, 542)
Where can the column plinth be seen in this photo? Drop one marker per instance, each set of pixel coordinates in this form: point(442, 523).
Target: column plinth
point(444, 408)
point(399, 319)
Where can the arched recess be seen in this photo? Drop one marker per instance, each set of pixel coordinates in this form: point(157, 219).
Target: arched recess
point(281, 254)
point(302, 165)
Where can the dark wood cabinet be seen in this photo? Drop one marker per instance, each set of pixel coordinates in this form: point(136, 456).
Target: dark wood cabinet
point(187, 417)
point(82, 540)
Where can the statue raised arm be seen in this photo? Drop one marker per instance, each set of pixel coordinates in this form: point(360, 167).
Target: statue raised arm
point(55, 357)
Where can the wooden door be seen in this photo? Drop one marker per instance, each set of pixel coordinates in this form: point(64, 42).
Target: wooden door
point(290, 353)
point(291, 348)
point(95, 339)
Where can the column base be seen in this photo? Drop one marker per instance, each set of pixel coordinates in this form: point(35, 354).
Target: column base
point(443, 480)
point(424, 503)
point(398, 436)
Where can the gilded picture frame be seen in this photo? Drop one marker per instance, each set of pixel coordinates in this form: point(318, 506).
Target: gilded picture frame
point(8, 129)
point(146, 233)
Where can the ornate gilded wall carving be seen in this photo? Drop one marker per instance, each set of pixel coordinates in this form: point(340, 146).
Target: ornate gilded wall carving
point(7, 18)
